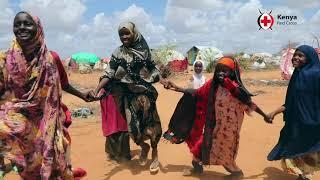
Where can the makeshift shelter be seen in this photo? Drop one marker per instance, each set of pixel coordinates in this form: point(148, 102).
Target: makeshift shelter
point(73, 64)
point(106, 60)
point(84, 62)
point(265, 57)
point(173, 55)
point(246, 56)
point(286, 63)
point(66, 62)
point(178, 65)
point(171, 59)
point(85, 58)
point(176, 61)
point(318, 51)
point(204, 53)
point(163, 56)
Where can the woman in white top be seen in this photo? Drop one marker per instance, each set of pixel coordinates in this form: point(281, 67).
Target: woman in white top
point(198, 79)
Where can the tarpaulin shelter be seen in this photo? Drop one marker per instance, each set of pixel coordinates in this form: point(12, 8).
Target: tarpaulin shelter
point(178, 65)
point(205, 53)
point(87, 58)
point(286, 63)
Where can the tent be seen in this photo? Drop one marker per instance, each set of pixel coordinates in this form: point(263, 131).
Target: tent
point(163, 56)
point(204, 53)
point(176, 61)
point(178, 65)
point(286, 64)
point(102, 64)
point(246, 56)
point(84, 62)
point(87, 58)
point(173, 55)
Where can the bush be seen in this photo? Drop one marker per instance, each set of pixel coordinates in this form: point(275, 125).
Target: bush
point(211, 66)
point(244, 63)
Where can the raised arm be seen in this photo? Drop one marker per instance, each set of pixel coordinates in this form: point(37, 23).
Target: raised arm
point(173, 86)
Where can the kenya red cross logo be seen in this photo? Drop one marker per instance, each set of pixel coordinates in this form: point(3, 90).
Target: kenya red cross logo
point(265, 20)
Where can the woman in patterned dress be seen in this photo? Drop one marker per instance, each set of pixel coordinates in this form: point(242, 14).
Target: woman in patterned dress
point(33, 125)
point(213, 133)
point(129, 78)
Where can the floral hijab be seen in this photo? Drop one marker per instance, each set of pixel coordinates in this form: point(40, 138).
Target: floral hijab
point(37, 90)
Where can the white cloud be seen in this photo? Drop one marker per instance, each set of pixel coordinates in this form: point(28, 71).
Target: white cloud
point(306, 4)
point(100, 34)
point(199, 4)
point(133, 13)
point(234, 27)
point(101, 24)
point(56, 14)
point(228, 25)
point(6, 18)
point(316, 19)
point(4, 4)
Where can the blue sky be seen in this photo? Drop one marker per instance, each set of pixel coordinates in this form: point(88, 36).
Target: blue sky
point(91, 25)
point(156, 7)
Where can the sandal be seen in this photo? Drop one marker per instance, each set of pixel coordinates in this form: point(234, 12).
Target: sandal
point(302, 177)
point(154, 166)
point(15, 169)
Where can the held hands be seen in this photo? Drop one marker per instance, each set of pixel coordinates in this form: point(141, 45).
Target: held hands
point(170, 85)
point(89, 96)
point(92, 95)
point(165, 83)
point(98, 94)
point(268, 119)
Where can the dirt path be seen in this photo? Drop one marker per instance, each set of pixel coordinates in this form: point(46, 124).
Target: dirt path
point(257, 138)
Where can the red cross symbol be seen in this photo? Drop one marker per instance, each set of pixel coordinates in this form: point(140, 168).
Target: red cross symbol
point(265, 20)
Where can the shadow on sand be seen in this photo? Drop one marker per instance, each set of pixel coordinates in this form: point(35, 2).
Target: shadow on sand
point(269, 173)
point(272, 173)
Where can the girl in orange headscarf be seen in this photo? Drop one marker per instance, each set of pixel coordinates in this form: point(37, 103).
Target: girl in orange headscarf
point(212, 131)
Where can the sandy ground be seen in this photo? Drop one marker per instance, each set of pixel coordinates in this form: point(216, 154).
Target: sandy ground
point(257, 138)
